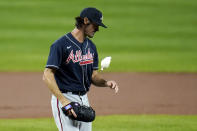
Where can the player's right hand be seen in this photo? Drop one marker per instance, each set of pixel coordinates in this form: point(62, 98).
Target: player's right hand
point(68, 110)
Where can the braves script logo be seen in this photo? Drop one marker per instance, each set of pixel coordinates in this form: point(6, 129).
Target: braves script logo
point(82, 59)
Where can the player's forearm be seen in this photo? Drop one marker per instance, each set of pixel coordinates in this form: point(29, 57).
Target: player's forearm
point(49, 79)
point(97, 80)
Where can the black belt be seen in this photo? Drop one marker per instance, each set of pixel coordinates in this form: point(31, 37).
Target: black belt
point(81, 93)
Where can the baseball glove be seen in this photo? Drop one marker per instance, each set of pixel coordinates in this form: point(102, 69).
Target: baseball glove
point(84, 113)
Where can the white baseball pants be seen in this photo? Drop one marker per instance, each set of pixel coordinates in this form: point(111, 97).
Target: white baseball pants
point(63, 122)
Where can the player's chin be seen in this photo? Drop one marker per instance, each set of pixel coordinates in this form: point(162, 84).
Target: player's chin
point(91, 35)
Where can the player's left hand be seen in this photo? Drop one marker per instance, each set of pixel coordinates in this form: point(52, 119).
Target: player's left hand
point(112, 85)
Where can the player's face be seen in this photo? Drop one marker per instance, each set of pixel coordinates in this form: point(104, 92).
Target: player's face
point(91, 29)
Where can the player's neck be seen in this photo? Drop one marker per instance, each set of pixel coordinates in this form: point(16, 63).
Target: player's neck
point(78, 34)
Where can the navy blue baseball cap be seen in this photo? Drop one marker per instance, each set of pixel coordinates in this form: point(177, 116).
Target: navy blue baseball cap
point(93, 15)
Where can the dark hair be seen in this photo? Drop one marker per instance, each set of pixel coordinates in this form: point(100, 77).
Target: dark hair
point(79, 22)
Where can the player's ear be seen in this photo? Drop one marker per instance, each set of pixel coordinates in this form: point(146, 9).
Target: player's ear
point(86, 21)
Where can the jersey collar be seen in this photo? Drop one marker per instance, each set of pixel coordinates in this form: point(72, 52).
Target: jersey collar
point(76, 41)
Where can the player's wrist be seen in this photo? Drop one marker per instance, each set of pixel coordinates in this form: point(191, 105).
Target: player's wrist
point(68, 107)
point(107, 83)
point(64, 102)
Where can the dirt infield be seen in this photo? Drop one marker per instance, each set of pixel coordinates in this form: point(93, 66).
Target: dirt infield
point(25, 95)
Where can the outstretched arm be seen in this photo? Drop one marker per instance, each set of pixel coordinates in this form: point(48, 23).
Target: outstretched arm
point(97, 80)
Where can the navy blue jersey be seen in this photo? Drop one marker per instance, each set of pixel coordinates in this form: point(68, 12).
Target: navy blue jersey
point(74, 63)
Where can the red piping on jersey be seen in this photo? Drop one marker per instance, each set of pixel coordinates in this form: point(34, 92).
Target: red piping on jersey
point(86, 62)
point(59, 115)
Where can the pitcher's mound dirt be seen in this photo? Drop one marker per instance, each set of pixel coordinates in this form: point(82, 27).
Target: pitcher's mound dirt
point(25, 95)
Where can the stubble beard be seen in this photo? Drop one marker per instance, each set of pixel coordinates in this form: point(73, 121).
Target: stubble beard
point(89, 34)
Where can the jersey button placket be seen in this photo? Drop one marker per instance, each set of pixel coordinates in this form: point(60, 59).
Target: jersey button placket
point(85, 66)
point(82, 66)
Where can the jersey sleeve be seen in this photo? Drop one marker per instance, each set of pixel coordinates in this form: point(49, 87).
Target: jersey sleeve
point(96, 60)
point(55, 55)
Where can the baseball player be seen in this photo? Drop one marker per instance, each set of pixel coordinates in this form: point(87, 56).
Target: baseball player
point(72, 67)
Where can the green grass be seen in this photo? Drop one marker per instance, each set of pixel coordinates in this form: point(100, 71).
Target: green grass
point(111, 123)
point(143, 36)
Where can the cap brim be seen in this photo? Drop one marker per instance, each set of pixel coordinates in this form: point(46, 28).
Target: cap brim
point(101, 24)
